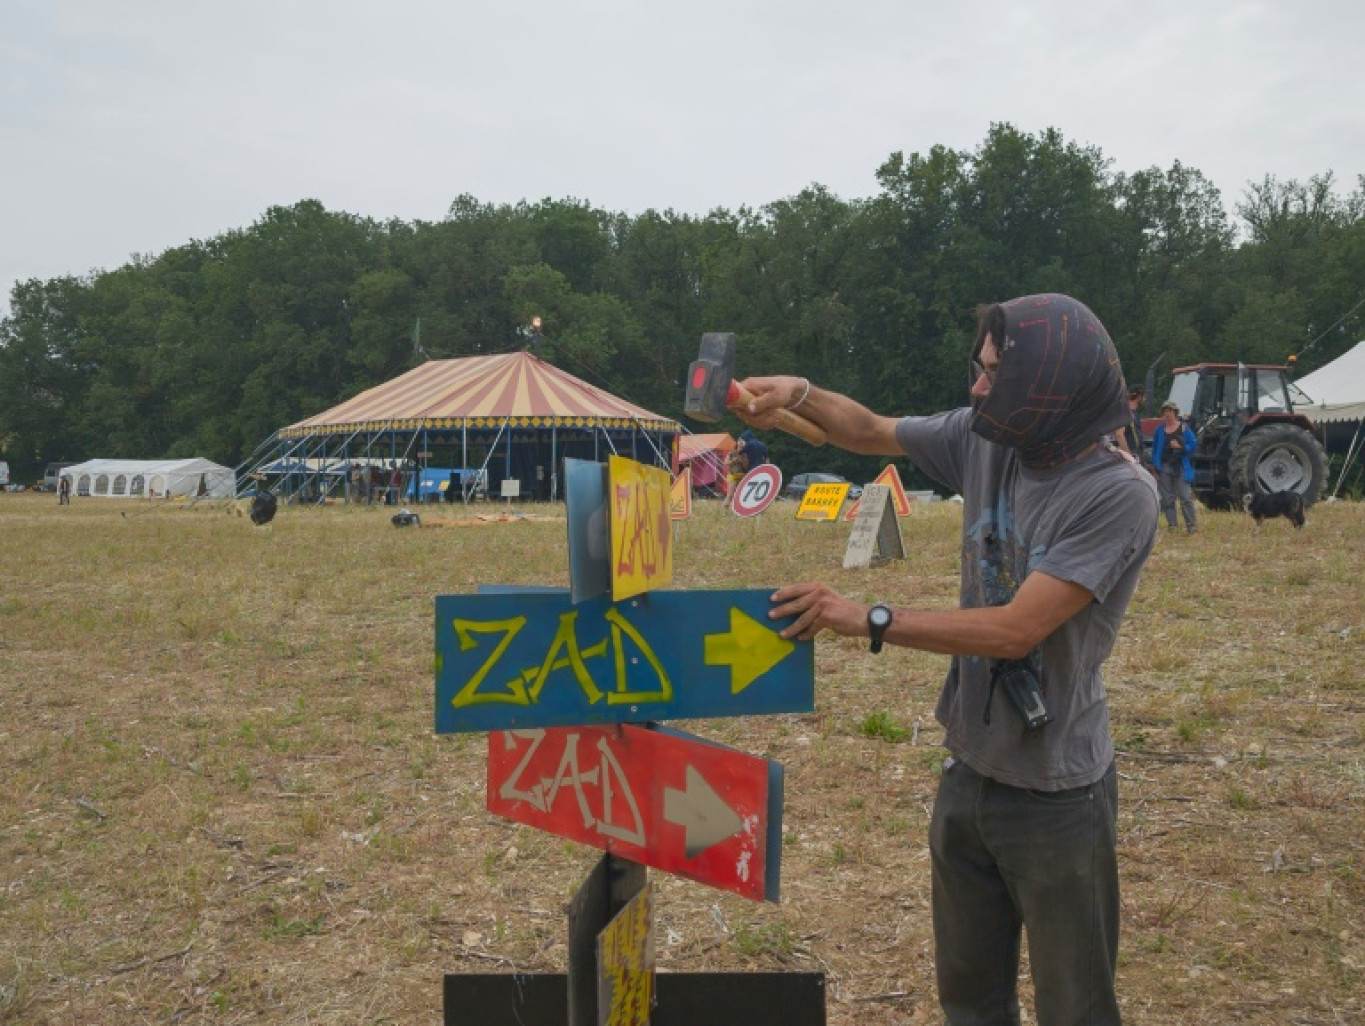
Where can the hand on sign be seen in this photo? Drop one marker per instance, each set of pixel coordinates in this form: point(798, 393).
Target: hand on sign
point(817, 606)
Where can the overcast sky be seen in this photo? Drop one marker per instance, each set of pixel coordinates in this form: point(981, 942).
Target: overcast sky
point(132, 127)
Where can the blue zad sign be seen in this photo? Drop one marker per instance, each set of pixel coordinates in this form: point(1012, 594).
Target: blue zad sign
point(508, 660)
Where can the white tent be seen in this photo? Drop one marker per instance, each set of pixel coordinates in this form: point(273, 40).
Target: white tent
point(151, 479)
point(1333, 398)
point(1336, 392)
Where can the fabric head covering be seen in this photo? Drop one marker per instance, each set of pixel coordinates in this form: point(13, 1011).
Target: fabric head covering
point(1058, 386)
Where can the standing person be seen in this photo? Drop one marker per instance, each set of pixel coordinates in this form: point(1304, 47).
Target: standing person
point(737, 465)
point(1056, 529)
point(1172, 445)
point(64, 491)
point(1129, 437)
point(755, 451)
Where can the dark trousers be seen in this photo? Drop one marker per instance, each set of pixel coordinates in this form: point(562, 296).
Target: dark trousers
point(1005, 858)
point(1173, 486)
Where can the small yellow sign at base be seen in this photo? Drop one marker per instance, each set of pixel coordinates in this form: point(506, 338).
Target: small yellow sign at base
point(625, 965)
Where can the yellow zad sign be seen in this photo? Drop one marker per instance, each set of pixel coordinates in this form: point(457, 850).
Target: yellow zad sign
point(640, 498)
point(822, 502)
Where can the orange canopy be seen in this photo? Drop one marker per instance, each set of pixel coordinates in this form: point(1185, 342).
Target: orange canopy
point(692, 446)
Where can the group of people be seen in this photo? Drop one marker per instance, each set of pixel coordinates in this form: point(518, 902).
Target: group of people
point(1173, 445)
point(1056, 527)
point(366, 484)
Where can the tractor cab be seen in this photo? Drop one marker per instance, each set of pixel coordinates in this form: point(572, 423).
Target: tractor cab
point(1248, 437)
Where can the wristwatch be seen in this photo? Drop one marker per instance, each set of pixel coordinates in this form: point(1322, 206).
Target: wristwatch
point(878, 620)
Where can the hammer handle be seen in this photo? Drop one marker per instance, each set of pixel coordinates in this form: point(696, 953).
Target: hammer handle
point(790, 422)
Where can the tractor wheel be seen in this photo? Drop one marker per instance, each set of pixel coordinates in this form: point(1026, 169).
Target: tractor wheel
point(1278, 458)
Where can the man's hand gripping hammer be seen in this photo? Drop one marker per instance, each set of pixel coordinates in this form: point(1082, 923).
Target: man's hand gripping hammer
point(712, 389)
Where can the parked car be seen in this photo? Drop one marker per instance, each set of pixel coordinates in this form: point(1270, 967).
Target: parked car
point(796, 487)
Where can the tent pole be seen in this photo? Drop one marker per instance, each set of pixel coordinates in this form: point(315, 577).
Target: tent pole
point(554, 462)
point(1346, 463)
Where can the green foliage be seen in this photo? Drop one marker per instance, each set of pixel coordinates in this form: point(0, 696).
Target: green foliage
point(880, 725)
point(208, 348)
point(754, 939)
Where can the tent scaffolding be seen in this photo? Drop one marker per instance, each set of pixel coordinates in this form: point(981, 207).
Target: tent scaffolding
point(493, 419)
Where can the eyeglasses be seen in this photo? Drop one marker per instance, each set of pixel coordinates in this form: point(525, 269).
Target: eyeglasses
point(979, 371)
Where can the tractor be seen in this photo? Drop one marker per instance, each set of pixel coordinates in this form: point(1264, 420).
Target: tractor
point(1248, 437)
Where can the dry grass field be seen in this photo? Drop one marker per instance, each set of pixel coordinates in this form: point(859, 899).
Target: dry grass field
point(223, 802)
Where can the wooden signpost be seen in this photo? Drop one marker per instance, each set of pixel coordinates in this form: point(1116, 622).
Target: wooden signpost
point(567, 682)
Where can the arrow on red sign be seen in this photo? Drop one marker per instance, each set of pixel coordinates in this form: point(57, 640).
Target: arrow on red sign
point(703, 814)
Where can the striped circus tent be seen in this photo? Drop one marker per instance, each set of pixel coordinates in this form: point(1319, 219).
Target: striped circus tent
point(506, 417)
point(482, 392)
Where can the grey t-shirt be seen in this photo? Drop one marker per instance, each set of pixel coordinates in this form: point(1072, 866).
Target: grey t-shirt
point(1092, 522)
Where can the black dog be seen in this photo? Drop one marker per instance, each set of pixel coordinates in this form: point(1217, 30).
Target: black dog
point(1267, 505)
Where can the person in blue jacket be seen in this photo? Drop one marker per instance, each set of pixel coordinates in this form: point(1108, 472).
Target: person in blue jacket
point(755, 452)
point(1171, 448)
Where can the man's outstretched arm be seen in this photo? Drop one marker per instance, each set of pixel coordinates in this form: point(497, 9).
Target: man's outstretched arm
point(850, 425)
point(1011, 631)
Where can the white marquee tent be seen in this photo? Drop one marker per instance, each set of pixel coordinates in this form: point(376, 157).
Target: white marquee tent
point(1333, 398)
point(1336, 392)
point(152, 479)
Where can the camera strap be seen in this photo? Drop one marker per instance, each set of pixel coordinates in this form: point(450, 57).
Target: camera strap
point(997, 666)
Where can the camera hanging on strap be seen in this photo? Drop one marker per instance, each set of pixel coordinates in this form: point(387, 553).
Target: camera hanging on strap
point(1020, 681)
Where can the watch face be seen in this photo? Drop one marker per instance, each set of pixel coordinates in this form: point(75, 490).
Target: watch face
point(879, 616)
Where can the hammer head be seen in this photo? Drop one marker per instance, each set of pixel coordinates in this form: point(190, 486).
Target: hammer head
point(709, 377)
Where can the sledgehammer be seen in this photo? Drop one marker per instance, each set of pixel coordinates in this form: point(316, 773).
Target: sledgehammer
point(712, 389)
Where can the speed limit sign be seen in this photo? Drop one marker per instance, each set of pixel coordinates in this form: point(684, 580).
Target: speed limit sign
point(759, 487)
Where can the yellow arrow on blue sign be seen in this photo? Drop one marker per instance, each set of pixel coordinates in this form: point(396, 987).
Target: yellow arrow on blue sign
point(749, 648)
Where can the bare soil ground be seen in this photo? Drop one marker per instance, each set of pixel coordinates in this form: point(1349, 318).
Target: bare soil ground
point(223, 801)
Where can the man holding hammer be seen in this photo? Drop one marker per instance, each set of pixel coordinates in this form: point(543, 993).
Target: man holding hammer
point(1056, 528)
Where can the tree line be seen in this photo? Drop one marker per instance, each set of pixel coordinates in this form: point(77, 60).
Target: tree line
point(208, 348)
